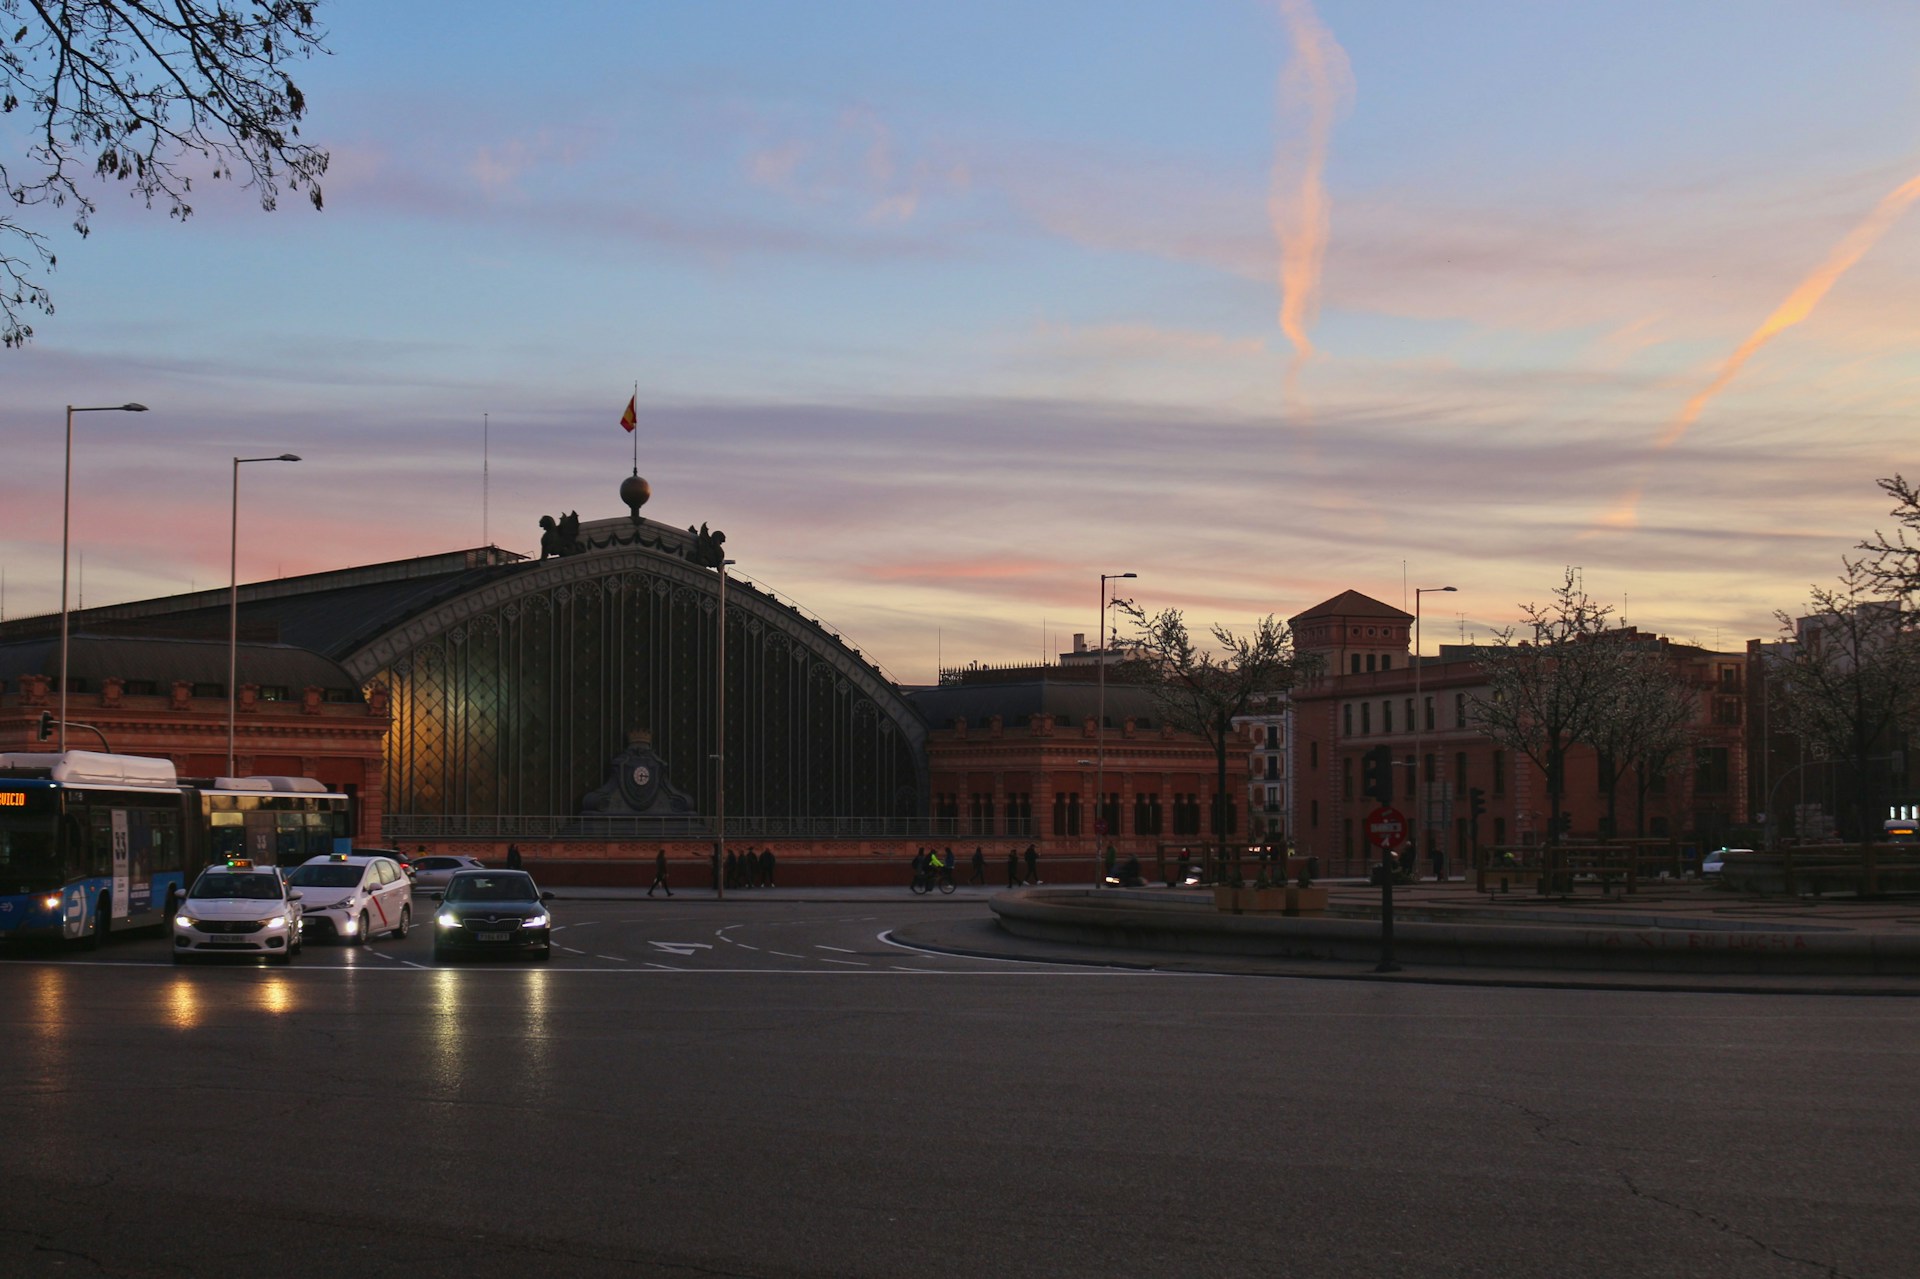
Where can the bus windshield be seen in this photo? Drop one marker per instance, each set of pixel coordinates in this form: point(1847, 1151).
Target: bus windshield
point(30, 858)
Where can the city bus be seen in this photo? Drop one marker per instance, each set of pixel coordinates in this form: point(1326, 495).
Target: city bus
point(92, 842)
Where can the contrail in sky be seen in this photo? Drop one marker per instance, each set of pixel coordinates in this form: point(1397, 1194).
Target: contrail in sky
point(1316, 82)
point(1798, 306)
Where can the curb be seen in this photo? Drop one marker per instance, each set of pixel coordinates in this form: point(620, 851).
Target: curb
point(1678, 946)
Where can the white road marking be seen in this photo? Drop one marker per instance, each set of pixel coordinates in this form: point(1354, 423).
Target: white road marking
point(680, 947)
point(571, 951)
point(621, 959)
point(786, 954)
point(857, 963)
point(838, 949)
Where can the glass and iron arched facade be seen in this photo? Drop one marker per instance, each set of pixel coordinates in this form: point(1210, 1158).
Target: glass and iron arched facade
point(512, 699)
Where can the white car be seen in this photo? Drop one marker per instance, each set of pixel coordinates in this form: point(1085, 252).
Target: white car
point(354, 896)
point(434, 872)
point(238, 909)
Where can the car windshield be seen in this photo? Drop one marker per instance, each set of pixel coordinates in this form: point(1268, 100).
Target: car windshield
point(325, 875)
point(491, 888)
point(251, 885)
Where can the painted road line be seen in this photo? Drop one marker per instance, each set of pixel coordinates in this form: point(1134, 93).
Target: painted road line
point(618, 959)
point(786, 954)
point(842, 950)
point(680, 947)
point(857, 963)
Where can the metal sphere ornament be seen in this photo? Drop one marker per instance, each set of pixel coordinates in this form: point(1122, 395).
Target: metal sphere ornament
point(634, 491)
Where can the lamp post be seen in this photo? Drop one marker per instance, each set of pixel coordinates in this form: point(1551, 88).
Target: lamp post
point(1100, 734)
point(233, 600)
point(66, 527)
point(1420, 813)
point(720, 748)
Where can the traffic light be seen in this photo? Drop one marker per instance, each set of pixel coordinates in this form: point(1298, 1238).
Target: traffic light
point(1477, 801)
point(46, 725)
point(1376, 774)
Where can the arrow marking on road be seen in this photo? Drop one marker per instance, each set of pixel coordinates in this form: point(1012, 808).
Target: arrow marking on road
point(680, 947)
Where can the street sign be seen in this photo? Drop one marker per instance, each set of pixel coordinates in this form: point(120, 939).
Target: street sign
point(1386, 828)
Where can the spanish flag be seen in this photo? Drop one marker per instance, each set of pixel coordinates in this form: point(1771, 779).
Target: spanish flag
point(631, 418)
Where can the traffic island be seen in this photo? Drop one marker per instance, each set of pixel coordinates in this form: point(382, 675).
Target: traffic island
point(1567, 940)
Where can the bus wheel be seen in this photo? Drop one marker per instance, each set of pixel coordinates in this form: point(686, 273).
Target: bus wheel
point(102, 921)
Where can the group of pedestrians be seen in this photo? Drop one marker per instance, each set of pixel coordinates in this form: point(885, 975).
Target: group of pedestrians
point(749, 869)
point(937, 863)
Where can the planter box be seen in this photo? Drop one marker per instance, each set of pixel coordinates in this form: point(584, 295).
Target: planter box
point(1270, 901)
point(1306, 901)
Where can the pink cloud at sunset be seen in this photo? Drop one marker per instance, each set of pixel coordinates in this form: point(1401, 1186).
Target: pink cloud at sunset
point(939, 325)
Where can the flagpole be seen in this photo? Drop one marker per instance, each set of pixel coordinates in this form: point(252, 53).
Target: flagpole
point(636, 433)
point(486, 425)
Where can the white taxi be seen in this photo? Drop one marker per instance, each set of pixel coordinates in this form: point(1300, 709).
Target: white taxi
point(238, 909)
point(354, 896)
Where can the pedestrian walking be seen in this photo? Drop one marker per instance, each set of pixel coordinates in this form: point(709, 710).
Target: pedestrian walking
point(979, 866)
point(733, 870)
point(1440, 862)
point(659, 874)
point(1033, 865)
point(513, 857)
point(1013, 868)
point(766, 867)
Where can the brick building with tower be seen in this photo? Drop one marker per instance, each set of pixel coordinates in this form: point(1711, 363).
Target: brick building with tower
point(1370, 693)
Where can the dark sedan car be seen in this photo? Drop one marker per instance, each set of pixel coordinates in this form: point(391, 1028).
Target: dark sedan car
point(493, 912)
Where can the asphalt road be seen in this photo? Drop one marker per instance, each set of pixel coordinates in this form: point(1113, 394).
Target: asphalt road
point(765, 1089)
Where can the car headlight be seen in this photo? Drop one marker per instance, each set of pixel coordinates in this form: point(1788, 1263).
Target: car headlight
point(535, 921)
point(278, 921)
point(185, 921)
point(447, 919)
point(345, 903)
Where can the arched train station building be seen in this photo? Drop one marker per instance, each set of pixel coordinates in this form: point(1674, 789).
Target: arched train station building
point(573, 698)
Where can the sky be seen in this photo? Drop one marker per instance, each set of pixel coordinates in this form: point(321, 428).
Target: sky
point(941, 311)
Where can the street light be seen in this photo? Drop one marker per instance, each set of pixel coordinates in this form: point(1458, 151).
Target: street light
point(1100, 733)
point(1420, 813)
point(66, 525)
point(720, 738)
point(233, 599)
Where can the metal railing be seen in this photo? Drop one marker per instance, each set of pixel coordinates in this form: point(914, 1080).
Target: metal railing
point(401, 826)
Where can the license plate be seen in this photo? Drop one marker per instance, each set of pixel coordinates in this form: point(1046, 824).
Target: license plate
point(491, 936)
point(230, 941)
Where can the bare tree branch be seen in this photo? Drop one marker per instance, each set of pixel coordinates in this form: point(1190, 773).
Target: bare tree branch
point(150, 93)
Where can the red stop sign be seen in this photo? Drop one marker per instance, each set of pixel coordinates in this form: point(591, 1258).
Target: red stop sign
point(1386, 828)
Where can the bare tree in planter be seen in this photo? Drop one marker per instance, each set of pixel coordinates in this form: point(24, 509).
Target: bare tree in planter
point(1848, 679)
point(1201, 690)
point(1651, 721)
point(1553, 680)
